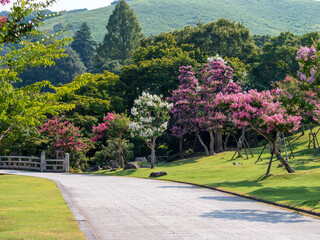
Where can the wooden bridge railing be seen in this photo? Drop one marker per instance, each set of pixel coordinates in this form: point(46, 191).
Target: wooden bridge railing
point(35, 163)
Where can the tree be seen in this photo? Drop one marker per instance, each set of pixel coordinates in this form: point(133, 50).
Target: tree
point(150, 118)
point(25, 107)
point(155, 69)
point(63, 71)
point(84, 45)
point(215, 77)
point(277, 60)
point(123, 34)
point(96, 97)
point(115, 127)
point(186, 102)
point(65, 136)
point(264, 114)
point(223, 37)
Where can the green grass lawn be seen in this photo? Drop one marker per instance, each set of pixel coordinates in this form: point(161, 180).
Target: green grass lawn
point(300, 189)
point(33, 208)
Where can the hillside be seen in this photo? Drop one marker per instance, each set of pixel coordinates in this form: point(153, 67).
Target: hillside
point(260, 16)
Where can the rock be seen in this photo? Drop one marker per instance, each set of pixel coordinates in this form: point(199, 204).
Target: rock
point(96, 168)
point(237, 163)
point(157, 174)
point(131, 165)
point(113, 164)
point(106, 167)
point(141, 159)
point(155, 159)
point(280, 165)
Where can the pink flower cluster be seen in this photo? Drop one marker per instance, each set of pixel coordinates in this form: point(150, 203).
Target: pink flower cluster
point(4, 2)
point(261, 111)
point(64, 135)
point(114, 125)
point(308, 59)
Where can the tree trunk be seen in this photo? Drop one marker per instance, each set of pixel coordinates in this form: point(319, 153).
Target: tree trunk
point(283, 161)
point(218, 140)
point(302, 129)
point(120, 154)
point(255, 138)
point(226, 140)
point(211, 143)
point(153, 145)
point(181, 147)
point(202, 143)
point(240, 142)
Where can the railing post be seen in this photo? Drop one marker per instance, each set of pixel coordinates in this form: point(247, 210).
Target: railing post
point(66, 163)
point(42, 160)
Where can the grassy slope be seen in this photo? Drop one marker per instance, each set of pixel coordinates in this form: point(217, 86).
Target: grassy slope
point(154, 16)
point(300, 189)
point(33, 208)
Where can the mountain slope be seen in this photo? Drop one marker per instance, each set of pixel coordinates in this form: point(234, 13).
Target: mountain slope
point(155, 16)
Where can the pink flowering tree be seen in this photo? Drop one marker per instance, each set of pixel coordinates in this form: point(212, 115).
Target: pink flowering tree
point(309, 62)
point(186, 102)
point(66, 137)
point(115, 126)
point(264, 114)
point(216, 77)
point(298, 100)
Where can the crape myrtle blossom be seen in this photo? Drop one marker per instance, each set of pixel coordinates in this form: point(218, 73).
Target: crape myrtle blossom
point(309, 62)
point(66, 137)
point(264, 114)
point(297, 100)
point(150, 119)
point(115, 126)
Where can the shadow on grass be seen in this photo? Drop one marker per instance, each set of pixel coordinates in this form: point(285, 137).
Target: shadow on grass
point(250, 215)
point(181, 162)
point(296, 195)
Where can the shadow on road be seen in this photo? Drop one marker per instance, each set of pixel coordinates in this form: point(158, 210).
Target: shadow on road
point(250, 215)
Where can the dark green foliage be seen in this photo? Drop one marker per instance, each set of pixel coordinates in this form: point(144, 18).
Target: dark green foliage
point(277, 60)
point(124, 33)
point(92, 101)
point(223, 37)
point(84, 45)
point(100, 65)
point(260, 40)
point(64, 71)
point(308, 38)
point(155, 69)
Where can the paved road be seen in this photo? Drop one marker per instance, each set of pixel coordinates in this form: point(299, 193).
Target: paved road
point(130, 208)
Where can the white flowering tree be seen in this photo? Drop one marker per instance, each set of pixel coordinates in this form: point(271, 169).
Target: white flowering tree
point(150, 117)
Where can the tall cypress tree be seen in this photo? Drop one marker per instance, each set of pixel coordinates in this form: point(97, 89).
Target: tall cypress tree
point(84, 45)
point(123, 36)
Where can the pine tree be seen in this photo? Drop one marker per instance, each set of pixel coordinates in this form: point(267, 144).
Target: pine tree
point(124, 34)
point(84, 45)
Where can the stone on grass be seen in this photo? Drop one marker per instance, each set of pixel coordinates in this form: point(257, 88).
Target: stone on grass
point(96, 168)
point(113, 164)
point(237, 163)
point(140, 159)
point(157, 174)
point(131, 165)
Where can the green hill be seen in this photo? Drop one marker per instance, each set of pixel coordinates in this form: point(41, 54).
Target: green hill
point(155, 16)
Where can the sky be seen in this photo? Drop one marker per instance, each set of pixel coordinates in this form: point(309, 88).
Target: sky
point(70, 4)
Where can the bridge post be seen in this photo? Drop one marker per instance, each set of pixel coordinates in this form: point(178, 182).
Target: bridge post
point(42, 160)
point(66, 163)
